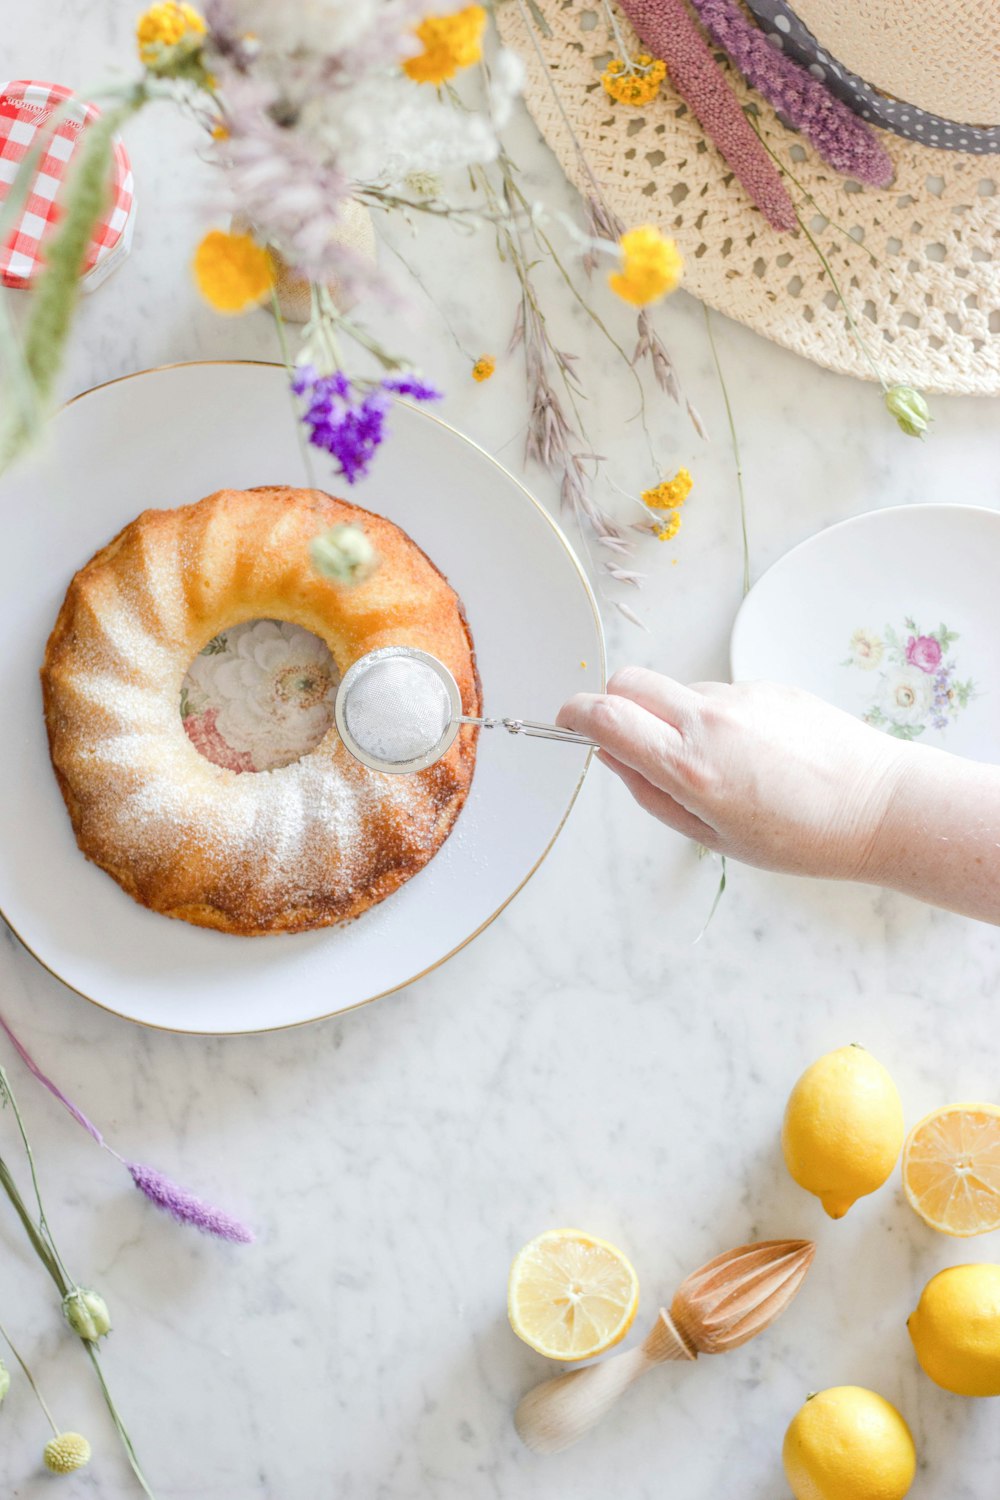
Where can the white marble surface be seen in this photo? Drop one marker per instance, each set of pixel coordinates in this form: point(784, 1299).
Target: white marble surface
point(582, 1062)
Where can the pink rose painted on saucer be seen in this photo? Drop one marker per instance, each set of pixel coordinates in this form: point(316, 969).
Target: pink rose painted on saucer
point(917, 686)
point(924, 651)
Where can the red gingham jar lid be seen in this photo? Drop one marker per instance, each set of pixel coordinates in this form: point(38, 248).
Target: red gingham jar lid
point(24, 108)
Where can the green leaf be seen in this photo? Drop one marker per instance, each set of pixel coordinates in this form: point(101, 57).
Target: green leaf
point(55, 298)
point(719, 893)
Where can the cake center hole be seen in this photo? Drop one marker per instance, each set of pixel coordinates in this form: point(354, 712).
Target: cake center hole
point(259, 696)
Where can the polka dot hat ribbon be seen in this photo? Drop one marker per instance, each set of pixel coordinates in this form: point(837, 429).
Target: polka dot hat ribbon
point(25, 107)
point(792, 36)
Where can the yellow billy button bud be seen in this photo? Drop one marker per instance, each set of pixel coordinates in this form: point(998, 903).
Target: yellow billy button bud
point(909, 408)
point(87, 1313)
point(66, 1452)
point(344, 554)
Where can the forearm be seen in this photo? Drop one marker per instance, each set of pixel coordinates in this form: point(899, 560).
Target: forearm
point(940, 837)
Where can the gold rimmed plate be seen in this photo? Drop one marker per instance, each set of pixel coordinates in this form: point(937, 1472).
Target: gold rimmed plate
point(167, 437)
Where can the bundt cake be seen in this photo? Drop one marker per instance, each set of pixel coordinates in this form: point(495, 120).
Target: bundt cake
point(311, 843)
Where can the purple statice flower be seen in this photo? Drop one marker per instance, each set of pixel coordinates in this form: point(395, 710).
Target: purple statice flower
point(184, 1206)
point(347, 419)
point(412, 386)
point(839, 136)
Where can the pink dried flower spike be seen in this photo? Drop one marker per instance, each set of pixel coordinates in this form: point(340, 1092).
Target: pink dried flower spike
point(666, 28)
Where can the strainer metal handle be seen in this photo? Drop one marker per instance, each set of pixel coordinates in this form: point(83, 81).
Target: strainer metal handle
point(531, 727)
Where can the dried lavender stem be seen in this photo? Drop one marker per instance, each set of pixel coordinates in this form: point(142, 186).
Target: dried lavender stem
point(52, 1261)
point(734, 439)
point(30, 1379)
point(286, 359)
point(657, 350)
point(824, 262)
point(46, 1234)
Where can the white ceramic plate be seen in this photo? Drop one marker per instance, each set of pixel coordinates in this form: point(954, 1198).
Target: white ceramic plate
point(167, 437)
point(893, 616)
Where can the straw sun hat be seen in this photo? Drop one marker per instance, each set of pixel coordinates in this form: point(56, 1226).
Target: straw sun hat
point(918, 262)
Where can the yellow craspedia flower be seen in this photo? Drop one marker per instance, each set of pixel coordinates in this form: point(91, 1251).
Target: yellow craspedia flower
point(484, 367)
point(232, 271)
point(166, 24)
point(636, 81)
point(671, 493)
point(450, 42)
point(66, 1452)
point(652, 266)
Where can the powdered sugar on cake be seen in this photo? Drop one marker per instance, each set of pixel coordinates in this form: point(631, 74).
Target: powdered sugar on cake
point(300, 845)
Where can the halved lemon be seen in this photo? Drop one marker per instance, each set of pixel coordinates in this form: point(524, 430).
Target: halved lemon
point(951, 1169)
point(571, 1296)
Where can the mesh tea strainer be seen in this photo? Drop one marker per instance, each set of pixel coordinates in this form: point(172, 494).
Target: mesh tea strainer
point(399, 709)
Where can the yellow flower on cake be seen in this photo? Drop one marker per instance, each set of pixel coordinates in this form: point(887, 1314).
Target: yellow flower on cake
point(164, 25)
point(450, 42)
point(671, 493)
point(651, 267)
point(484, 367)
point(636, 81)
point(232, 271)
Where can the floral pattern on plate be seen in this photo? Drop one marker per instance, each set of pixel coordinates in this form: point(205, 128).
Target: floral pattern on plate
point(259, 696)
point(916, 687)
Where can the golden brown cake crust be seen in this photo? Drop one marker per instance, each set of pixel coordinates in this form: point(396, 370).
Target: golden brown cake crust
point(312, 843)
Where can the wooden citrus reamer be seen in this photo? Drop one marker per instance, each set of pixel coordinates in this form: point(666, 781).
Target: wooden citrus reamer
point(718, 1307)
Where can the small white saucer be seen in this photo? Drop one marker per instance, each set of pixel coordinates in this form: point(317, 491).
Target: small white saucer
point(893, 616)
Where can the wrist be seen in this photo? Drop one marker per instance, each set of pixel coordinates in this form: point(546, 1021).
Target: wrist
point(892, 798)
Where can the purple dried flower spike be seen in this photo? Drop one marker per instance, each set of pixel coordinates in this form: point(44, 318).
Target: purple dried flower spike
point(839, 136)
point(348, 422)
point(185, 1207)
point(176, 1201)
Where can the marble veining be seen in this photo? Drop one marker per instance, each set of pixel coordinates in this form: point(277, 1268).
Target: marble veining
point(584, 1061)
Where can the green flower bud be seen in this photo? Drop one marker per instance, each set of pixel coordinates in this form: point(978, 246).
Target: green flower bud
point(87, 1313)
point(4, 1380)
point(423, 184)
point(66, 1452)
point(344, 554)
point(909, 408)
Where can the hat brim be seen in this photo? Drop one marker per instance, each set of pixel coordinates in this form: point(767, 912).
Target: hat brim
point(917, 263)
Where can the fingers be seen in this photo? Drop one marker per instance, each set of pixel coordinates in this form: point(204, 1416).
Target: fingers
point(632, 735)
point(660, 804)
point(659, 695)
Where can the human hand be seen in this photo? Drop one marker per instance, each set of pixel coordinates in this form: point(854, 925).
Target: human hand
point(766, 774)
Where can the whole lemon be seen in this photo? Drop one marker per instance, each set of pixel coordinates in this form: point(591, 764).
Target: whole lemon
point(956, 1330)
point(848, 1444)
point(843, 1128)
